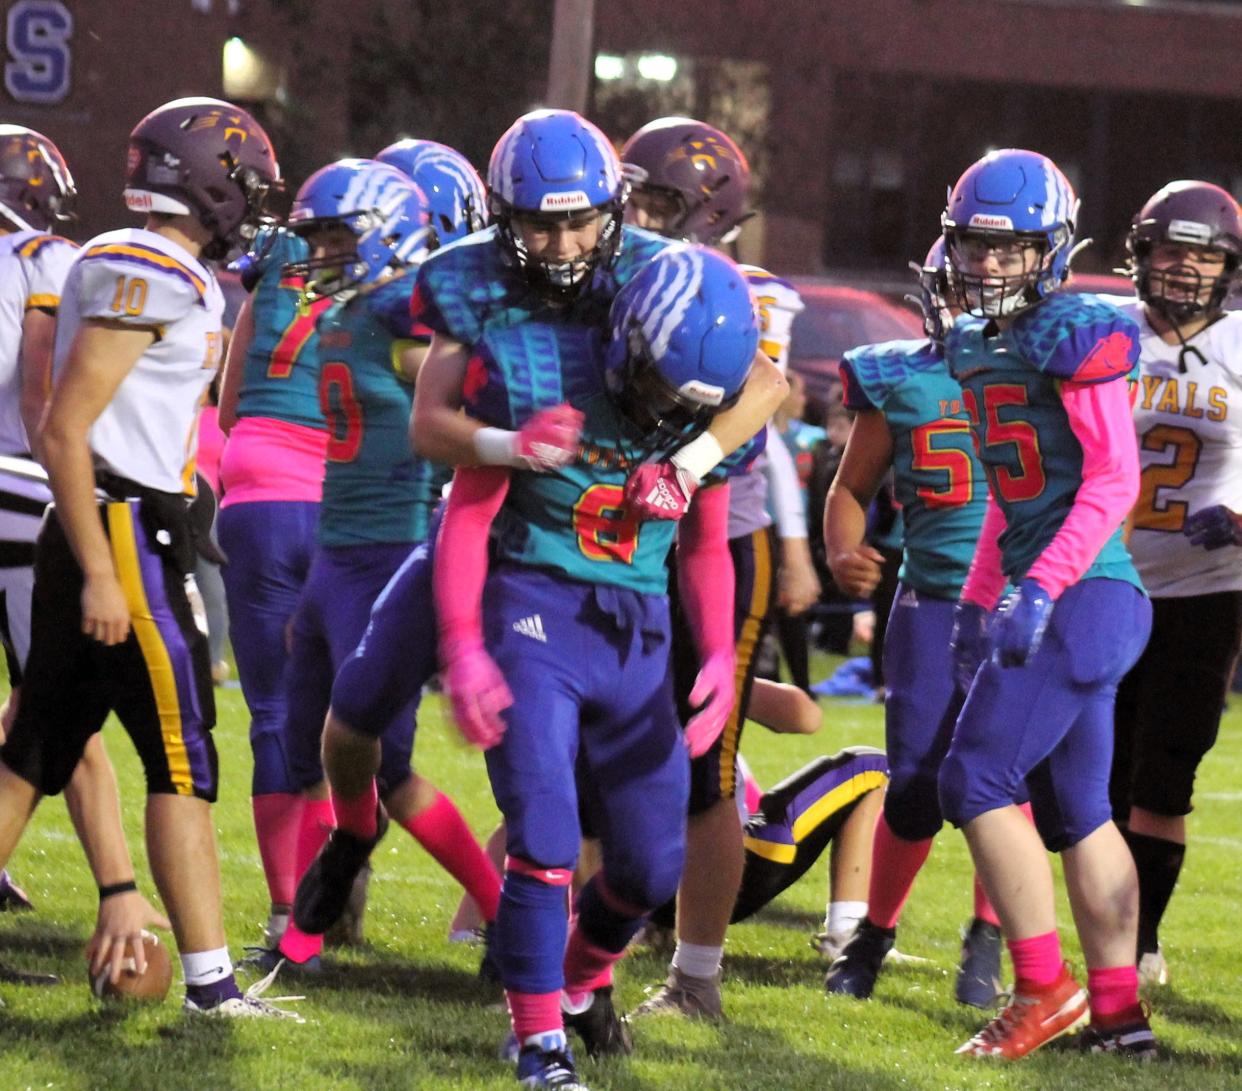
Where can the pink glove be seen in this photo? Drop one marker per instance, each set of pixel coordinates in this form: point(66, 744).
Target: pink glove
point(550, 438)
point(714, 685)
point(479, 694)
point(659, 490)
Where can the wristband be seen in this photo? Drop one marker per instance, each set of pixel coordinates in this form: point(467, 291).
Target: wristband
point(699, 457)
point(117, 888)
point(497, 447)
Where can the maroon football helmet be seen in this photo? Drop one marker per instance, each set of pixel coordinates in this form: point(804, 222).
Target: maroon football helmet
point(696, 165)
point(204, 158)
point(36, 188)
point(1194, 214)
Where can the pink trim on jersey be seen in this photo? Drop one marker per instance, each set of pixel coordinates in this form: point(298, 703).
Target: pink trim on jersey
point(985, 581)
point(210, 446)
point(267, 459)
point(1100, 417)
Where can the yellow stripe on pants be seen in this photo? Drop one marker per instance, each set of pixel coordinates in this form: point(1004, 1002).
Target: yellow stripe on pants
point(151, 641)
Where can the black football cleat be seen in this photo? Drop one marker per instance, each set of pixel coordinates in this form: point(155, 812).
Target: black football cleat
point(858, 965)
point(324, 890)
point(604, 1033)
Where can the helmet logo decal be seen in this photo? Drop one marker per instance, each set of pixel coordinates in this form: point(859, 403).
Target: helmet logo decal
point(982, 219)
point(571, 201)
point(1189, 231)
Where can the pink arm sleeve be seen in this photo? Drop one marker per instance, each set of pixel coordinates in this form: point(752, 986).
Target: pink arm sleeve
point(985, 581)
point(705, 570)
point(1100, 416)
point(461, 555)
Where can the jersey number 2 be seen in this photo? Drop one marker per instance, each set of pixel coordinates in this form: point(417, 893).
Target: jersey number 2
point(1151, 512)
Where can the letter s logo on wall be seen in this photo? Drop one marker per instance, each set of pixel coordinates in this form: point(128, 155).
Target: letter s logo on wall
point(38, 47)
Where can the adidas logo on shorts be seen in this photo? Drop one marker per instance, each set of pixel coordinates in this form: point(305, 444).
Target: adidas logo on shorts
point(532, 627)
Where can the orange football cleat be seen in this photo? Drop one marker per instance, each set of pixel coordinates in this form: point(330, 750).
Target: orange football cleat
point(1031, 1019)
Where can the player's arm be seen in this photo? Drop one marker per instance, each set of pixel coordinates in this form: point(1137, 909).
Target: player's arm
point(235, 365)
point(868, 454)
point(705, 584)
point(408, 357)
point(439, 431)
point(102, 354)
point(476, 686)
point(38, 334)
point(798, 588)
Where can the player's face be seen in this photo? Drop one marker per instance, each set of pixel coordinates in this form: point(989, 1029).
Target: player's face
point(331, 244)
point(652, 209)
point(995, 256)
point(1185, 273)
point(558, 239)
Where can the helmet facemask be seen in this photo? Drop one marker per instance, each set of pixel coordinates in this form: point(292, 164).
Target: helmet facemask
point(1181, 293)
point(1001, 296)
point(561, 281)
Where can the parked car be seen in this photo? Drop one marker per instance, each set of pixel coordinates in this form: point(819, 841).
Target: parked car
point(838, 318)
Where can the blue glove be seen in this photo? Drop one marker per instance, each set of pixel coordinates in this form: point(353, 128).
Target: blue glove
point(969, 642)
point(1020, 624)
point(1214, 527)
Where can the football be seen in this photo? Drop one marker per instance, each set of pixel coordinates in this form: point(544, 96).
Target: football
point(151, 986)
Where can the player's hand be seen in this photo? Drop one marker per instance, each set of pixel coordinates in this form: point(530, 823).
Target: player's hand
point(858, 572)
point(969, 642)
point(659, 490)
point(1214, 527)
point(713, 690)
point(550, 438)
point(118, 933)
point(1020, 623)
point(798, 586)
point(479, 694)
point(105, 613)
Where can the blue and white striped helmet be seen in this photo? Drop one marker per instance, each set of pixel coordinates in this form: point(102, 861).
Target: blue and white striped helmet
point(684, 335)
point(455, 195)
point(383, 209)
point(1012, 194)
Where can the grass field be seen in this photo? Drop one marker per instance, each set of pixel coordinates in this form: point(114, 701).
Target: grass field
point(406, 1012)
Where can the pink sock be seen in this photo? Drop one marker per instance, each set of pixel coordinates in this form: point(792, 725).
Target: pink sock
point(587, 967)
point(296, 945)
point(357, 815)
point(1036, 960)
point(1112, 990)
point(534, 1014)
point(442, 831)
point(276, 818)
point(299, 946)
point(895, 863)
point(983, 907)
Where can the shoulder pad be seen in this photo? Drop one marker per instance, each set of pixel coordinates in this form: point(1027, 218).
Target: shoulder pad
point(459, 285)
point(1079, 338)
point(390, 306)
point(140, 285)
point(871, 372)
point(48, 259)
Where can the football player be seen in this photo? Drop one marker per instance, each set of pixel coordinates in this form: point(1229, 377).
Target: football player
point(271, 473)
point(1185, 246)
point(576, 570)
point(368, 227)
point(690, 182)
point(37, 194)
point(910, 418)
point(137, 339)
point(1044, 383)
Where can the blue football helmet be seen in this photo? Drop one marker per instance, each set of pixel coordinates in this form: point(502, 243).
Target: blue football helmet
point(1010, 196)
point(683, 336)
point(933, 297)
point(454, 191)
point(384, 211)
point(552, 165)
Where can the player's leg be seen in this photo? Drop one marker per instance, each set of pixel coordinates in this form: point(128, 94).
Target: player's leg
point(269, 545)
point(1187, 666)
point(638, 776)
point(798, 819)
point(714, 854)
point(920, 710)
point(782, 708)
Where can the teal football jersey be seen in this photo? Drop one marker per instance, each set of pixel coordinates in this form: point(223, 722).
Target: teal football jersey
point(375, 489)
point(938, 479)
point(280, 379)
point(1011, 384)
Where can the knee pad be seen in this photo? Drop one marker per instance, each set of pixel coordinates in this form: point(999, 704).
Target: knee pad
point(605, 919)
point(912, 806)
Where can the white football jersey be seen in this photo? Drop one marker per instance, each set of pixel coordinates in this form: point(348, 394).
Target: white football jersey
point(1189, 425)
point(33, 267)
point(135, 277)
point(777, 304)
